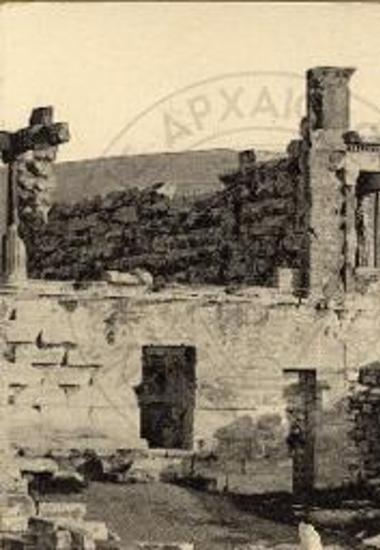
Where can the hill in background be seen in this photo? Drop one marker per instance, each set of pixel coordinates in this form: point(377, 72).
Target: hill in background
point(192, 172)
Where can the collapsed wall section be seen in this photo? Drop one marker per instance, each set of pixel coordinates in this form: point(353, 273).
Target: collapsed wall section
point(241, 235)
point(271, 205)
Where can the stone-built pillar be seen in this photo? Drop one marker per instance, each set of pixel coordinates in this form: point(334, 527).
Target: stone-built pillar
point(27, 193)
point(329, 119)
point(328, 98)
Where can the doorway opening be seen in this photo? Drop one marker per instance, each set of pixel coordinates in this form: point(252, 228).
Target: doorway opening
point(302, 398)
point(167, 396)
point(368, 220)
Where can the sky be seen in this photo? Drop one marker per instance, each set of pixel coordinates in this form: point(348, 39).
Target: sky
point(142, 77)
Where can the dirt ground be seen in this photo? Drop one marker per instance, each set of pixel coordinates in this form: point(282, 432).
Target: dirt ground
point(165, 513)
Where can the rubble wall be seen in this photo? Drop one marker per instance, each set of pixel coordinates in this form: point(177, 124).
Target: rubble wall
point(240, 235)
point(73, 358)
point(270, 204)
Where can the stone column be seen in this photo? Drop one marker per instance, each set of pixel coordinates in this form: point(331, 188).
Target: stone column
point(328, 119)
point(13, 248)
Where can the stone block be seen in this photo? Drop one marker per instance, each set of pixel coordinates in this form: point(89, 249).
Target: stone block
point(60, 510)
point(44, 533)
point(83, 540)
point(97, 529)
point(374, 542)
point(19, 333)
point(58, 333)
point(63, 539)
point(32, 355)
point(164, 546)
point(74, 376)
point(69, 480)
point(79, 358)
point(37, 465)
point(50, 532)
point(12, 520)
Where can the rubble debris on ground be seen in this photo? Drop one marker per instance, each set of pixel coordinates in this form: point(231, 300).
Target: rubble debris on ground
point(125, 465)
point(54, 526)
point(374, 542)
point(164, 546)
point(29, 523)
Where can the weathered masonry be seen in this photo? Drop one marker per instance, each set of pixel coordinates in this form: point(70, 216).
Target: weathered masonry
point(320, 204)
point(280, 383)
point(312, 211)
point(255, 376)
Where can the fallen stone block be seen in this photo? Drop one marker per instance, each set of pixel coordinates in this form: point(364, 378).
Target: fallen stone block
point(91, 467)
point(63, 539)
point(43, 533)
point(57, 534)
point(68, 481)
point(94, 529)
point(97, 529)
point(83, 540)
point(37, 524)
point(116, 466)
point(372, 541)
point(120, 278)
point(164, 546)
point(58, 510)
point(37, 465)
point(12, 520)
point(47, 535)
point(63, 481)
point(333, 518)
point(139, 475)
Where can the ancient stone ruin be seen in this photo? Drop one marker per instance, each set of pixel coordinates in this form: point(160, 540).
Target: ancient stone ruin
point(234, 338)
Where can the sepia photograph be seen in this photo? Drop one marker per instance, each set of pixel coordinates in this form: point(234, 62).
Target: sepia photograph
point(189, 275)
